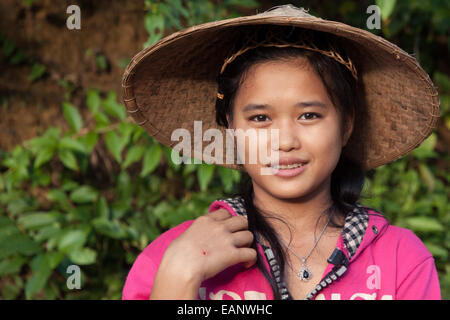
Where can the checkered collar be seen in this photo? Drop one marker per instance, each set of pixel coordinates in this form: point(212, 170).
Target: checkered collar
point(356, 223)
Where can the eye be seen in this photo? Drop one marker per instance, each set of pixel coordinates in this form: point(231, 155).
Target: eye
point(310, 116)
point(258, 118)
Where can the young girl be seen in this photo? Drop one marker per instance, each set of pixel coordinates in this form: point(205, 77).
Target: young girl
point(299, 232)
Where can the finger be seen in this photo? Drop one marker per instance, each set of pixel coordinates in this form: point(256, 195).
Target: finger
point(237, 223)
point(247, 256)
point(242, 239)
point(221, 214)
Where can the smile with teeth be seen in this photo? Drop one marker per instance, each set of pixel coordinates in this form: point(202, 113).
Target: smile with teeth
point(289, 166)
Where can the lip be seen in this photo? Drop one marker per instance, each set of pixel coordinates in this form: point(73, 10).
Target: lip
point(288, 160)
point(288, 172)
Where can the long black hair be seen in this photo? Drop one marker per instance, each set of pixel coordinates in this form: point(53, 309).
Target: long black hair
point(347, 179)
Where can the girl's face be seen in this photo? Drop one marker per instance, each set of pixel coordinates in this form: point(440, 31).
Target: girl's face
point(289, 96)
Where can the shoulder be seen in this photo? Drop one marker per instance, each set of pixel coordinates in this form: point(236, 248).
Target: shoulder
point(404, 241)
point(408, 244)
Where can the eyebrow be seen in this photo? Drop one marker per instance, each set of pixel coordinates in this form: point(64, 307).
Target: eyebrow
point(304, 104)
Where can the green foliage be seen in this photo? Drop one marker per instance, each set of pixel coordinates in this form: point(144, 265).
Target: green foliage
point(37, 71)
point(54, 212)
point(12, 54)
point(172, 15)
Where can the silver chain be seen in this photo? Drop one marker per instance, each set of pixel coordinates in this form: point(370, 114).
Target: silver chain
point(303, 260)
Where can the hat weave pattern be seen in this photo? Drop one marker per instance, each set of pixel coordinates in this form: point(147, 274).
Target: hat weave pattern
point(173, 83)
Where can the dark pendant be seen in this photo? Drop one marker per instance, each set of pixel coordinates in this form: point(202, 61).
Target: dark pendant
point(304, 273)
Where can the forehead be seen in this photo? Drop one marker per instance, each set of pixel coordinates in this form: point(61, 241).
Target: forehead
point(279, 81)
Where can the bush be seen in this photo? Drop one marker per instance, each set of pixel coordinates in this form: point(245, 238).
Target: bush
point(95, 198)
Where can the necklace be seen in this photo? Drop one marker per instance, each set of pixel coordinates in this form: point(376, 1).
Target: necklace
point(304, 273)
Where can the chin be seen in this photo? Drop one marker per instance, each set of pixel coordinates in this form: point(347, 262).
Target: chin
point(284, 189)
point(288, 193)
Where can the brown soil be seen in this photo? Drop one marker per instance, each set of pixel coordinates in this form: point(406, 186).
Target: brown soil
point(113, 29)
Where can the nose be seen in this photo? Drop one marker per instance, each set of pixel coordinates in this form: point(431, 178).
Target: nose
point(287, 137)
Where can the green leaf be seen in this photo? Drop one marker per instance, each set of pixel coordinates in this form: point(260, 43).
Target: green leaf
point(69, 185)
point(425, 150)
point(101, 61)
point(41, 273)
point(204, 174)
point(152, 158)
point(42, 266)
point(58, 196)
point(93, 100)
point(72, 240)
point(386, 7)
point(11, 265)
point(83, 256)
point(101, 120)
point(72, 116)
point(113, 107)
point(84, 194)
point(236, 175)
point(424, 224)
point(427, 176)
point(49, 140)
point(44, 156)
point(37, 71)
point(89, 141)
point(189, 168)
point(436, 250)
point(113, 229)
point(249, 4)
point(227, 178)
point(68, 159)
point(101, 208)
point(35, 220)
point(18, 243)
point(134, 154)
point(154, 23)
point(114, 145)
point(74, 145)
point(123, 62)
point(171, 155)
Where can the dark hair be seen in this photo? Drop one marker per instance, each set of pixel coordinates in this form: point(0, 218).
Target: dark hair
point(347, 179)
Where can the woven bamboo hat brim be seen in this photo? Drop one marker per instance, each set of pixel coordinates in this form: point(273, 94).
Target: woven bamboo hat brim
point(172, 83)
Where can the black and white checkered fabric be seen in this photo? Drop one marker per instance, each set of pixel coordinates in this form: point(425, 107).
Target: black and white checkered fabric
point(355, 227)
point(237, 203)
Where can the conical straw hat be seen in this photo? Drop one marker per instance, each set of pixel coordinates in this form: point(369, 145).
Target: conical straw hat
point(173, 83)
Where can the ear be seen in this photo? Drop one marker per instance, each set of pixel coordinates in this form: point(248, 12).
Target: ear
point(230, 124)
point(348, 127)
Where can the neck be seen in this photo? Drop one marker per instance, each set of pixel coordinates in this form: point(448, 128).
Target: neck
point(301, 214)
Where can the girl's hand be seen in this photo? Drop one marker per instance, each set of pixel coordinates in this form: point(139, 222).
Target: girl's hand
point(211, 244)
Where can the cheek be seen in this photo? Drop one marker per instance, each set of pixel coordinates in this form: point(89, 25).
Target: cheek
point(254, 145)
point(324, 143)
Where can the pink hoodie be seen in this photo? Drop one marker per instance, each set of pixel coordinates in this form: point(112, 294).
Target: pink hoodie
point(373, 261)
